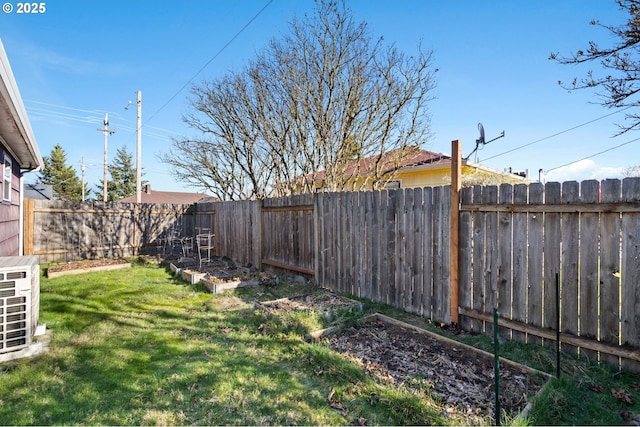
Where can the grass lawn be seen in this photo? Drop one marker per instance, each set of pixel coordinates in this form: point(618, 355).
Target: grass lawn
point(137, 347)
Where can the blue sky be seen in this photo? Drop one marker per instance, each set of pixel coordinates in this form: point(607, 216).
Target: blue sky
point(80, 59)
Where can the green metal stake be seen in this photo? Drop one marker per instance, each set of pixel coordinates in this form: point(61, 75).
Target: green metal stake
point(496, 363)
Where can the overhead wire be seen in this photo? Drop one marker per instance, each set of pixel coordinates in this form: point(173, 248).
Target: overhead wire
point(54, 114)
point(593, 155)
point(97, 118)
point(208, 62)
point(556, 134)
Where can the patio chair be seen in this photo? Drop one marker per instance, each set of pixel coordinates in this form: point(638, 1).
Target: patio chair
point(204, 242)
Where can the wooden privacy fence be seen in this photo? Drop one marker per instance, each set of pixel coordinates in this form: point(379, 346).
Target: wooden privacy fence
point(387, 246)
point(58, 230)
point(393, 246)
point(515, 239)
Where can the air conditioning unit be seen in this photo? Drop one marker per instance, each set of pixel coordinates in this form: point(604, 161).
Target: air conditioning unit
point(19, 303)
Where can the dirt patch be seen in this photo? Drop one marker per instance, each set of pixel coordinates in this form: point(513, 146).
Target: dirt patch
point(86, 265)
point(223, 270)
point(461, 378)
point(323, 302)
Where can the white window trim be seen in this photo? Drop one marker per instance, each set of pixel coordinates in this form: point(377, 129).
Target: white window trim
point(7, 165)
point(388, 187)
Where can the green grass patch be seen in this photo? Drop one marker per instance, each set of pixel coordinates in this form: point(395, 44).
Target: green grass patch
point(142, 348)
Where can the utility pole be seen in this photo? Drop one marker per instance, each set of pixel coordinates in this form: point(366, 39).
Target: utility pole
point(82, 168)
point(107, 132)
point(139, 151)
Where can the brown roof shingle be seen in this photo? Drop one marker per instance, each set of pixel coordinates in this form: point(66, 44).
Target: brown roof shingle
point(388, 160)
point(171, 197)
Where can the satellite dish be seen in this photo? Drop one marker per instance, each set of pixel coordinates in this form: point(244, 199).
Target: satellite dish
point(481, 141)
point(481, 130)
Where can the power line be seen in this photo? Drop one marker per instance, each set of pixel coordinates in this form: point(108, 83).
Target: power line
point(556, 134)
point(593, 155)
point(210, 61)
point(96, 118)
point(162, 134)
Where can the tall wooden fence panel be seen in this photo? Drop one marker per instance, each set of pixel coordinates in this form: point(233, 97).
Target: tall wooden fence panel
point(515, 239)
point(65, 231)
point(237, 230)
point(204, 218)
point(287, 233)
point(387, 246)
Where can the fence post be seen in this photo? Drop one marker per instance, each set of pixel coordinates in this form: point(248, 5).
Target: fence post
point(28, 224)
point(136, 223)
point(454, 220)
point(316, 239)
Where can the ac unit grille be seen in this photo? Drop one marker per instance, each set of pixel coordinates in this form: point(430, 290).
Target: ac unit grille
point(16, 300)
point(16, 317)
point(16, 309)
point(14, 275)
point(14, 322)
point(7, 285)
point(15, 326)
point(15, 343)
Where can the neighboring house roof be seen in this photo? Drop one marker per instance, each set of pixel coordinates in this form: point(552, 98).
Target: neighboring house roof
point(15, 129)
point(38, 191)
point(415, 161)
point(172, 197)
point(388, 162)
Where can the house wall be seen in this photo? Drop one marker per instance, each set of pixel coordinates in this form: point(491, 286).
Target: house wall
point(424, 178)
point(437, 176)
point(10, 211)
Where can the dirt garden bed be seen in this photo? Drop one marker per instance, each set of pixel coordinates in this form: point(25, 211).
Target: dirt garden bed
point(220, 273)
point(459, 376)
point(86, 266)
point(324, 302)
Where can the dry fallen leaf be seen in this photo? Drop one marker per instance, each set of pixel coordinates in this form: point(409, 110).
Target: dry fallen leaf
point(622, 396)
point(630, 418)
point(597, 388)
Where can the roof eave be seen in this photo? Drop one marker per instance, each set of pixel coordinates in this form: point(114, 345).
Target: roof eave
point(16, 133)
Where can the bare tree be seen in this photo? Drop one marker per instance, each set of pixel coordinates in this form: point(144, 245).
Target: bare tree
point(632, 171)
point(321, 98)
point(619, 82)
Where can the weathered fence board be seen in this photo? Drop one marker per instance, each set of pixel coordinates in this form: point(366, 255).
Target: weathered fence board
point(569, 265)
point(440, 259)
point(588, 265)
point(630, 307)
point(519, 253)
point(610, 267)
point(535, 270)
point(551, 256)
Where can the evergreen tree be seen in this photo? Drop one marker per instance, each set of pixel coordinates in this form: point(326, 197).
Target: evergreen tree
point(63, 178)
point(123, 177)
